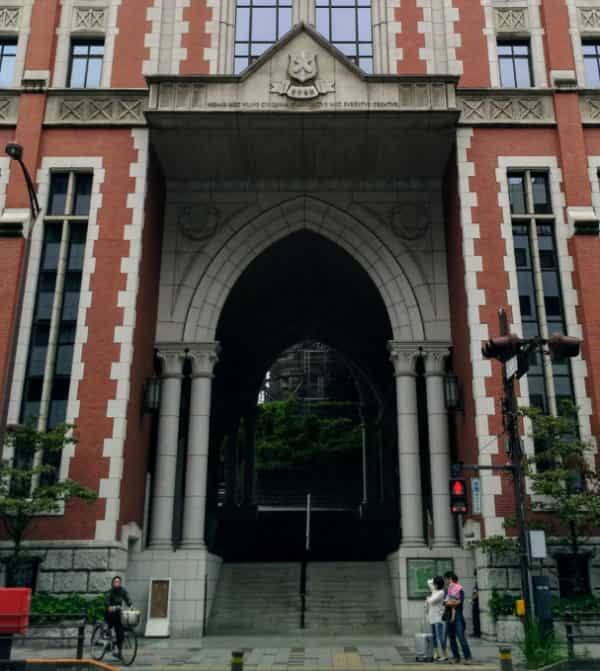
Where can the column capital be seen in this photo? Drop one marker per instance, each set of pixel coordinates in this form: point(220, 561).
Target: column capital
point(203, 356)
point(404, 356)
point(171, 357)
point(434, 356)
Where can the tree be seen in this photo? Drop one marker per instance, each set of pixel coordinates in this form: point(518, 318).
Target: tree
point(564, 477)
point(29, 486)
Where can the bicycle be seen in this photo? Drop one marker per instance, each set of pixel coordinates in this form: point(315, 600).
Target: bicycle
point(104, 639)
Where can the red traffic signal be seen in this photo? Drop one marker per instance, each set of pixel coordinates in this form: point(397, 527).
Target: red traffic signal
point(563, 347)
point(502, 347)
point(458, 496)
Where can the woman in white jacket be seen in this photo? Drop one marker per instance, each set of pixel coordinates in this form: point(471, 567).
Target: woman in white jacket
point(435, 608)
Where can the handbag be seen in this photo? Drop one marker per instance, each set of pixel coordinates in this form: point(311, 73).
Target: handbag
point(446, 615)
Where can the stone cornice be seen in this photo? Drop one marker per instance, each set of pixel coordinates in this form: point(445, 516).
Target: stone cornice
point(96, 107)
point(502, 107)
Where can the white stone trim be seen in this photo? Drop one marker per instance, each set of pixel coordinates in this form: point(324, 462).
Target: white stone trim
point(116, 408)
point(385, 28)
point(65, 32)
point(485, 406)
point(535, 33)
point(566, 268)
point(441, 39)
point(152, 39)
point(221, 29)
point(50, 163)
point(180, 28)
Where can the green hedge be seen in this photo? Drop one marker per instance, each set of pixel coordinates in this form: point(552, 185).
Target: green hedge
point(502, 604)
point(51, 607)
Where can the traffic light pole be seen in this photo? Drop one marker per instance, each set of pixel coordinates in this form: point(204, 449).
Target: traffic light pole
point(515, 451)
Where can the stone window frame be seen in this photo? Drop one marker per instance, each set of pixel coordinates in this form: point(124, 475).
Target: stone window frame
point(534, 33)
point(222, 31)
point(579, 34)
point(20, 32)
point(563, 232)
point(50, 164)
point(67, 31)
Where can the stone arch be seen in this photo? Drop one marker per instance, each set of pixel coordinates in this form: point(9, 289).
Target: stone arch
point(242, 240)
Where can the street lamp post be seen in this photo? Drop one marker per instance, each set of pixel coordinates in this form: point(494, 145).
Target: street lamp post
point(15, 152)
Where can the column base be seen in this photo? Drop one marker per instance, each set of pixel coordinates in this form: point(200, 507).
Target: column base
point(412, 543)
point(160, 545)
point(447, 542)
point(193, 545)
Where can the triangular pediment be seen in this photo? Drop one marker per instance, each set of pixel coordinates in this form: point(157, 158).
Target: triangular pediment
point(303, 37)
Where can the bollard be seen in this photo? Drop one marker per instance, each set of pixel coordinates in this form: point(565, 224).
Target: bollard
point(237, 661)
point(80, 640)
point(506, 662)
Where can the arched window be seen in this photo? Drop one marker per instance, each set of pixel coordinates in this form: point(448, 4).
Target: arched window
point(258, 25)
point(347, 25)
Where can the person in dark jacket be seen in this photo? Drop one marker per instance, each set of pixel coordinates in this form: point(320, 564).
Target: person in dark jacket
point(113, 602)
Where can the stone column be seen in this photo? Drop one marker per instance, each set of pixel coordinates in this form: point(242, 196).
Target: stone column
point(203, 358)
point(404, 357)
point(439, 445)
point(163, 496)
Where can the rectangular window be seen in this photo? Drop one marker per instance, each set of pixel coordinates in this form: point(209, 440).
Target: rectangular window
point(514, 61)
point(591, 60)
point(347, 25)
point(85, 64)
point(8, 56)
point(50, 359)
point(258, 25)
point(538, 276)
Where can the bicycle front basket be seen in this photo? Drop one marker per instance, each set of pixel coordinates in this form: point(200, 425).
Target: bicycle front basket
point(130, 617)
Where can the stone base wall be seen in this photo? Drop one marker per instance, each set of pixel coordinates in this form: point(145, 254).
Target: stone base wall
point(194, 575)
point(67, 567)
point(503, 575)
point(410, 612)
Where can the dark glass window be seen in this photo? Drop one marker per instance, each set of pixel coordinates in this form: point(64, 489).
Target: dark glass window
point(347, 24)
point(258, 25)
point(573, 575)
point(52, 340)
point(85, 64)
point(538, 275)
point(514, 61)
point(591, 60)
point(8, 56)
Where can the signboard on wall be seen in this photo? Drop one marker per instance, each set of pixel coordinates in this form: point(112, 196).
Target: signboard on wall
point(159, 607)
point(476, 496)
point(419, 571)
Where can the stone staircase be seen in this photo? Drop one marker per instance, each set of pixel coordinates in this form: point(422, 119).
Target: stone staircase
point(257, 598)
point(350, 598)
point(342, 598)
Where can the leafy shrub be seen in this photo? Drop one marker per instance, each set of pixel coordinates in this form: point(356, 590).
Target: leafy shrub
point(502, 605)
point(585, 605)
point(540, 648)
point(49, 607)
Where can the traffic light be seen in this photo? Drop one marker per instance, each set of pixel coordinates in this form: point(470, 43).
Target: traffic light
point(458, 496)
point(503, 347)
point(563, 347)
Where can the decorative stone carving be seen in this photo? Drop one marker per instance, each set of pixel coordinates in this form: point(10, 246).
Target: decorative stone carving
point(171, 358)
point(107, 109)
point(508, 108)
point(404, 357)
point(10, 18)
point(203, 357)
point(589, 18)
point(410, 220)
point(89, 18)
point(199, 221)
point(303, 84)
point(511, 19)
point(434, 356)
point(8, 109)
point(590, 109)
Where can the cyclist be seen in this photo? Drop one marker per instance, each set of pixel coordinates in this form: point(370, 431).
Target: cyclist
point(113, 602)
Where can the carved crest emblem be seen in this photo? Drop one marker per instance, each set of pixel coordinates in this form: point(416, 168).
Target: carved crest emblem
point(303, 70)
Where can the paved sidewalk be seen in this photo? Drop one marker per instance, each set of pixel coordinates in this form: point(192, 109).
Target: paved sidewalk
point(262, 653)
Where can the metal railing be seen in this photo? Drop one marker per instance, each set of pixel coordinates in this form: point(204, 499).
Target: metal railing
point(585, 622)
point(46, 621)
point(304, 564)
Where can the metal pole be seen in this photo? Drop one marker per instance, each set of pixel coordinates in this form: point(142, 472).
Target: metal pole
point(509, 409)
point(237, 660)
point(506, 662)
